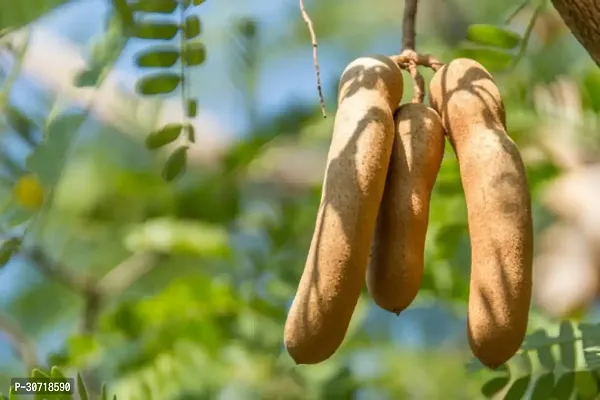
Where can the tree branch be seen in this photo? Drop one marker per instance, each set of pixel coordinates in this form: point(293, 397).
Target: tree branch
point(54, 271)
point(126, 273)
point(22, 345)
point(409, 59)
point(118, 279)
point(583, 19)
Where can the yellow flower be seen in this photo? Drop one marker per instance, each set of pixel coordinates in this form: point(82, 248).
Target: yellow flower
point(28, 192)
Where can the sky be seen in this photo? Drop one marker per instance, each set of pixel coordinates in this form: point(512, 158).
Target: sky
point(80, 21)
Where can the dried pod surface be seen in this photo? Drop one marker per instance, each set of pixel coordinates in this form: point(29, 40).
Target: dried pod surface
point(363, 134)
point(498, 208)
point(397, 254)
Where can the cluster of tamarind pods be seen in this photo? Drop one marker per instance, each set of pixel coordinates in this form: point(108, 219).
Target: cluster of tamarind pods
point(372, 221)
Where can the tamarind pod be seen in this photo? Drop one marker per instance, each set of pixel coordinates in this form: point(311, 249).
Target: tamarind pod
point(498, 208)
point(395, 269)
point(363, 133)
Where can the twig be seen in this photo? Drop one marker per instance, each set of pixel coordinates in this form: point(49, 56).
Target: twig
point(118, 279)
point(418, 83)
point(22, 345)
point(55, 271)
point(92, 306)
point(409, 59)
point(527, 35)
point(126, 273)
point(408, 24)
point(313, 39)
point(425, 60)
point(516, 11)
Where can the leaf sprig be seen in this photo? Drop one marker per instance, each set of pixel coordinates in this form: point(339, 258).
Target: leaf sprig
point(549, 367)
point(188, 52)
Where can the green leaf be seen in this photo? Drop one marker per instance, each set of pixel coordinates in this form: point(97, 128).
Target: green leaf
point(17, 15)
point(564, 386)
point(104, 392)
point(155, 30)
point(82, 348)
point(198, 2)
point(175, 164)
point(491, 35)
point(524, 361)
point(81, 389)
point(192, 27)
point(492, 59)
point(194, 54)
point(88, 77)
point(494, 386)
point(543, 388)
point(157, 58)
point(191, 133)
point(544, 354)
point(585, 385)
point(247, 27)
point(124, 12)
point(38, 373)
point(18, 121)
point(55, 372)
point(8, 249)
point(592, 357)
point(567, 345)
point(11, 394)
point(165, 235)
point(161, 83)
point(155, 6)
point(165, 135)
point(192, 108)
point(591, 87)
point(518, 389)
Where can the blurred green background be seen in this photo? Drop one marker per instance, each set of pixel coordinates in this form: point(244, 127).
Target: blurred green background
point(179, 290)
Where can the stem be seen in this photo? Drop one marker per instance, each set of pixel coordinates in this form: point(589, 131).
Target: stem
point(313, 38)
point(20, 342)
point(184, 97)
point(408, 24)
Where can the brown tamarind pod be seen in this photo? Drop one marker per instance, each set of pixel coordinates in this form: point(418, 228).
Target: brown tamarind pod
point(363, 134)
point(395, 269)
point(498, 208)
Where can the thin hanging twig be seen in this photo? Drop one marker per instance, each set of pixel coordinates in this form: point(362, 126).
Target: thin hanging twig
point(313, 39)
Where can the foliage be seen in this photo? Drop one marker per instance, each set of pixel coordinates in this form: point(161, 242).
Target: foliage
point(550, 366)
point(190, 52)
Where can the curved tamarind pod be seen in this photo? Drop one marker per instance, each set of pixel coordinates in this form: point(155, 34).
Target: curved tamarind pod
point(498, 208)
point(395, 269)
point(363, 133)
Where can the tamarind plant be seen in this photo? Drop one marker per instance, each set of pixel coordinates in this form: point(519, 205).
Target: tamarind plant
point(188, 52)
point(382, 172)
